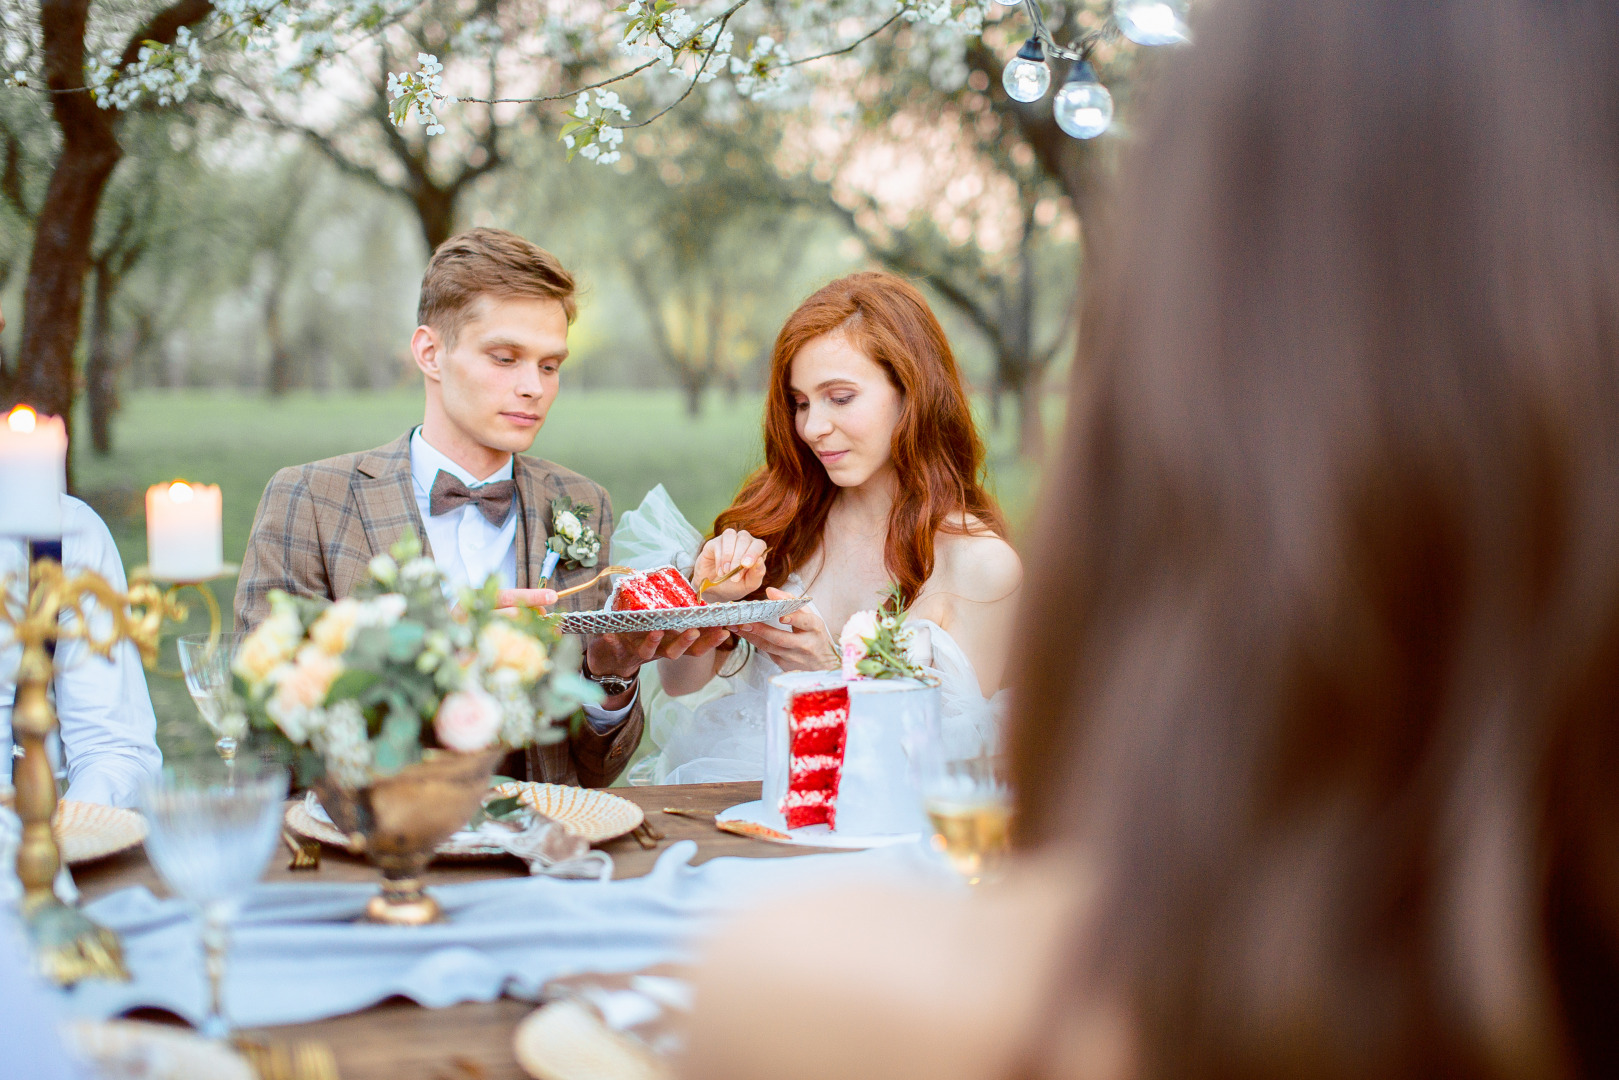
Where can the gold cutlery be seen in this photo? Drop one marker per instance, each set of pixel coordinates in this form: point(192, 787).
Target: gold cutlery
point(604, 572)
point(738, 568)
point(305, 853)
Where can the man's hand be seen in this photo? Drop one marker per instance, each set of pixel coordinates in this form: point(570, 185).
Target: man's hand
point(623, 654)
point(539, 599)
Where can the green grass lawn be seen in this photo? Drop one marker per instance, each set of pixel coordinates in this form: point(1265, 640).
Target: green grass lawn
point(625, 440)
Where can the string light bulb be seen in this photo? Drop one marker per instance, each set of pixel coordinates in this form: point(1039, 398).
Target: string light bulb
point(1027, 77)
point(1083, 107)
point(1152, 22)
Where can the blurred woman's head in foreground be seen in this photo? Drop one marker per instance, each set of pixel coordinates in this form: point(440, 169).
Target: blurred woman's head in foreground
point(1323, 653)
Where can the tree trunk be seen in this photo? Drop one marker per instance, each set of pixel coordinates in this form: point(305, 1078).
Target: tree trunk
point(283, 375)
point(435, 210)
point(53, 301)
point(694, 396)
point(1031, 422)
point(101, 366)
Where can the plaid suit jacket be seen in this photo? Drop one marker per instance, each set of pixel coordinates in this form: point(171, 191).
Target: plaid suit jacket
point(319, 525)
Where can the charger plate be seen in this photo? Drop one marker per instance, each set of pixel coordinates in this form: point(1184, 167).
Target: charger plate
point(589, 813)
point(125, 1048)
point(734, 613)
point(86, 831)
point(593, 815)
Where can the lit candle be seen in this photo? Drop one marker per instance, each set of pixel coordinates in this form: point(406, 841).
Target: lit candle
point(33, 474)
point(183, 532)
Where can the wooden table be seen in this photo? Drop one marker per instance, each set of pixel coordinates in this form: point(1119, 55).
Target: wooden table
point(399, 1039)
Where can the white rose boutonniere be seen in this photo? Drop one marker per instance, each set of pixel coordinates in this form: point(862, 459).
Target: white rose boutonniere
point(570, 537)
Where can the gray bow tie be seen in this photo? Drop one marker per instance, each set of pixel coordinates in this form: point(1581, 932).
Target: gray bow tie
point(494, 501)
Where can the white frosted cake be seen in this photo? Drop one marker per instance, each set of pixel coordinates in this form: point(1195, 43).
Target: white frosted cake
point(841, 753)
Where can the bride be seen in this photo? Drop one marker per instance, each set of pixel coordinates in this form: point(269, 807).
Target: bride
point(871, 476)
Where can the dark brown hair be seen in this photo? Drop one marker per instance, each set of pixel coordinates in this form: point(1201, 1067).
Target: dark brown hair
point(936, 449)
point(1323, 672)
point(488, 262)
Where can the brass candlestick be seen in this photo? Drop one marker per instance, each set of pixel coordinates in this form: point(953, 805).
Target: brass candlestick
point(68, 945)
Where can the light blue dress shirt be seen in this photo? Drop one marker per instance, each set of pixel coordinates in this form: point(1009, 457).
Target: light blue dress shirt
point(108, 731)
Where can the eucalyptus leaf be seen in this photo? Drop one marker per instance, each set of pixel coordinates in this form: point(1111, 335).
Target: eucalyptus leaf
point(405, 641)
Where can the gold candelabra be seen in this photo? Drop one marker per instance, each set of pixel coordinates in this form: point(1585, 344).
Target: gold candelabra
point(68, 945)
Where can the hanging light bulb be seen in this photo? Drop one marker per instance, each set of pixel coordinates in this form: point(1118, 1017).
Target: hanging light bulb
point(1152, 22)
point(1027, 78)
point(1083, 106)
point(1010, 3)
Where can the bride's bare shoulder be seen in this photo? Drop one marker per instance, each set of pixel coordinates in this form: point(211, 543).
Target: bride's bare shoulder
point(976, 564)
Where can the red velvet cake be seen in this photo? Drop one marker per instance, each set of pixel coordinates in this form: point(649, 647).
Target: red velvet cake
point(817, 728)
point(664, 587)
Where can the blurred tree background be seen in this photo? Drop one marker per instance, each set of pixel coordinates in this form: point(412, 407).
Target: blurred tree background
point(249, 285)
point(249, 288)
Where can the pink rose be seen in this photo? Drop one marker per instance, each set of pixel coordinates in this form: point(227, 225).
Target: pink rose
point(467, 720)
point(853, 642)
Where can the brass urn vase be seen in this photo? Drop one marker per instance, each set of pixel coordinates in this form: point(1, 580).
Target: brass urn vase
point(397, 821)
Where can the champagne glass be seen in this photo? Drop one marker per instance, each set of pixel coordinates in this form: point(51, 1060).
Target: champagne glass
point(968, 801)
point(212, 828)
point(206, 660)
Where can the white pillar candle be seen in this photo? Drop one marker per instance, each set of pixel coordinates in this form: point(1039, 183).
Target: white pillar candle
point(33, 474)
point(183, 532)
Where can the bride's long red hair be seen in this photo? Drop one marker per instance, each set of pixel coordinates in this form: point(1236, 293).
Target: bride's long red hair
point(936, 448)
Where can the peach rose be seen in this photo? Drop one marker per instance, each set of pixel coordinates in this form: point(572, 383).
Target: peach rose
point(305, 684)
point(333, 632)
point(268, 647)
point(504, 647)
point(467, 720)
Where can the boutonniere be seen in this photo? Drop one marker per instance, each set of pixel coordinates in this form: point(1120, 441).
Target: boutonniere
point(570, 537)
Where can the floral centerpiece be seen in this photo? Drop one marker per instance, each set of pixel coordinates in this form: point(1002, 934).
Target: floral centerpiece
point(877, 644)
point(361, 688)
point(396, 704)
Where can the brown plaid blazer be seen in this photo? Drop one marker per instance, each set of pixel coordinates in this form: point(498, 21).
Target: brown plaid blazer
point(319, 525)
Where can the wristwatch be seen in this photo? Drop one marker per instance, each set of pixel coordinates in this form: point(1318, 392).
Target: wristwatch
point(612, 685)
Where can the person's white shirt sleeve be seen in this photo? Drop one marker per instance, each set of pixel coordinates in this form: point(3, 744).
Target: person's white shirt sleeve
point(104, 713)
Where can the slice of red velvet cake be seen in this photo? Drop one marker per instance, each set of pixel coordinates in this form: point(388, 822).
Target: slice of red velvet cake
point(664, 587)
point(817, 728)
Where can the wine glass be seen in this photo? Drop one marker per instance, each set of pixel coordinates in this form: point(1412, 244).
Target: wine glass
point(211, 828)
point(968, 801)
point(206, 660)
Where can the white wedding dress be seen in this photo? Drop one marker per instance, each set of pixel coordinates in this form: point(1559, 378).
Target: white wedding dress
point(717, 734)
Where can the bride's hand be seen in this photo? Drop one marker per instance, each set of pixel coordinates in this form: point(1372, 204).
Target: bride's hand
point(806, 647)
point(724, 553)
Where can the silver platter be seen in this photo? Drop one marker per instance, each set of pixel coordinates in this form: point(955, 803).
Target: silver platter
point(689, 618)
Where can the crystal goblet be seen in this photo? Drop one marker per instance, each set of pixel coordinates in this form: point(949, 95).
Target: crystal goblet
point(212, 827)
point(206, 661)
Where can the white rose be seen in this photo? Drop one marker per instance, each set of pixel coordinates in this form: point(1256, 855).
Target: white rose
point(467, 720)
point(384, 569)
point(567, 526)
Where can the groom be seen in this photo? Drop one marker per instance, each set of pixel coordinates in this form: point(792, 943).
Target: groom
point(494, 314)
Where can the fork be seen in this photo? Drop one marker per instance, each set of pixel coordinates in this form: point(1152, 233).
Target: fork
point(738, 568)
point(605, 571)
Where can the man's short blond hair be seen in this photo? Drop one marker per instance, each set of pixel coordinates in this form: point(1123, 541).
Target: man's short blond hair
point(488, 262)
